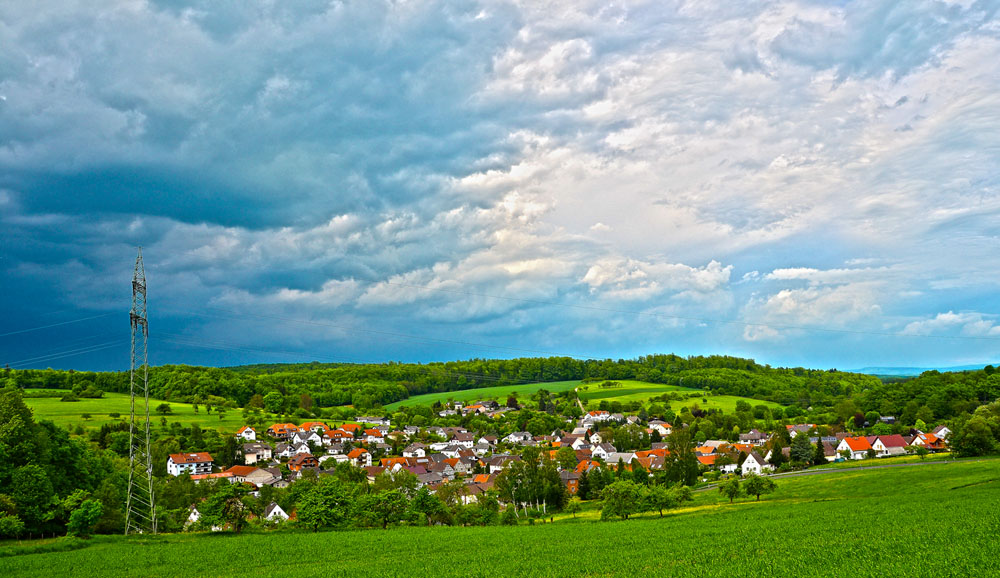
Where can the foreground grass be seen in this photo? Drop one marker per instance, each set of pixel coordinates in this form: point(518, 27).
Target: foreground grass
point(935, 520)
point(70, 413)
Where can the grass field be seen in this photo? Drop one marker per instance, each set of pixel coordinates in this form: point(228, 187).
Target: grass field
point(642, 391)
point(929, 520)
point(500, 393)
point(65, 413)
point(630, 391)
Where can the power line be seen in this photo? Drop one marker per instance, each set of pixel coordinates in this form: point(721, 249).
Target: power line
point(19, 331)
point(68, 353)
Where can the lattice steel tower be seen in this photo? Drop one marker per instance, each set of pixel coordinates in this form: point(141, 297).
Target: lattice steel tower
point(140, 513)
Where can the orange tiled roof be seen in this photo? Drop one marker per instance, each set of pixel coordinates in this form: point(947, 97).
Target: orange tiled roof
point(858, 444)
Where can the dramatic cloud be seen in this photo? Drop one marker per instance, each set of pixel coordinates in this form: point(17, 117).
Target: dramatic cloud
point(804, 182)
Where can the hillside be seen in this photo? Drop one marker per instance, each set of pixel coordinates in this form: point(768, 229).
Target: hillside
point(855, 523)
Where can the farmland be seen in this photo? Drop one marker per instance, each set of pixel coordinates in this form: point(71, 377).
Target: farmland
point(841, 524)
point(64, 413)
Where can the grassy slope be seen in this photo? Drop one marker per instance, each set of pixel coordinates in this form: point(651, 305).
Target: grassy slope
point(500, 393)
point(914, 521)
point(641, 391)
point(630, 391)
point(65, 413)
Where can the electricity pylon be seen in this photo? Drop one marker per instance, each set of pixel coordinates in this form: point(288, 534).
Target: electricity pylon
point(140, 513)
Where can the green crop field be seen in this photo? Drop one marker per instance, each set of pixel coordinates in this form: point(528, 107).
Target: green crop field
point(642, 391)
point(925, 520)
point(69, 413)
point(500, 393)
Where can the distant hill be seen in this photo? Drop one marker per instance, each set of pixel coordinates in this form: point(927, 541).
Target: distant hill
point(908, 371)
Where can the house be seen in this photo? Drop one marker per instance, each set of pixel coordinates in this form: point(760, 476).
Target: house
point(300, 449)
point(415, 450)
point(253, 453)
point(587, 466)
point(660, 426)
point(374, 420)
point(598, 415)
point(596, 438)
point(239, 473)
point(518, 437)
point(755, 464)
point(623, 457)
point(247, 433)
point(300, 461)
point(360, 457)
point(830, 451)
point(929, 441)
point(941, 431)
point(282, 431)
point(794, 430)
point(890, 445)
point(411, 430)
point(857, 446)
point(274, 513)
point(464, 439)
point(352, 428)
point(571, 480)
point(754, 438)
point(315, 426)
point(194, 464)
point(306, 437)
point(481, 449)
point(337, 436)
point(374, 436)
point(497, 463)
point(602, 451)
point(263, 477)
point(196, 478)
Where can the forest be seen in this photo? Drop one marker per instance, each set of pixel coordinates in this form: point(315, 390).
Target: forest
point(370, 386)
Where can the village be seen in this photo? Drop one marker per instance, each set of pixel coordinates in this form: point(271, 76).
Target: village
point(284, 453)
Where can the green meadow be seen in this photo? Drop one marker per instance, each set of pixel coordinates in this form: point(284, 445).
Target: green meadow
point(70, 413)
point(927, 520)
point(592, 392)
point(499, 393)
point(642, 391)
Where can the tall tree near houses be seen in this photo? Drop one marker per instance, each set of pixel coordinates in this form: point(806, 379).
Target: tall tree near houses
point(819, 455)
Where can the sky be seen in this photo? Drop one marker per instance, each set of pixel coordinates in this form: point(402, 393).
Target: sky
point(808, 184)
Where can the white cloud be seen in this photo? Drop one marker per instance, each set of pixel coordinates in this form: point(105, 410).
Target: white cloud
point(966, 323)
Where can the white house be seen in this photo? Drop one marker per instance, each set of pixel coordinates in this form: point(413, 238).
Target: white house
point(518, 437)
point(253, 453)
point(194, 464)
point(857, 446)
point(274, 513)
point(661, 426)
point(247, 433)
point(415, 450)
point(305, 437)
point(755, 464)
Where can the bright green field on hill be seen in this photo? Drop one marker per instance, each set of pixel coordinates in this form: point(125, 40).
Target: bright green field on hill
point(642, 391)
point(929, 520)
point(500, 393)
point(65, 413)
